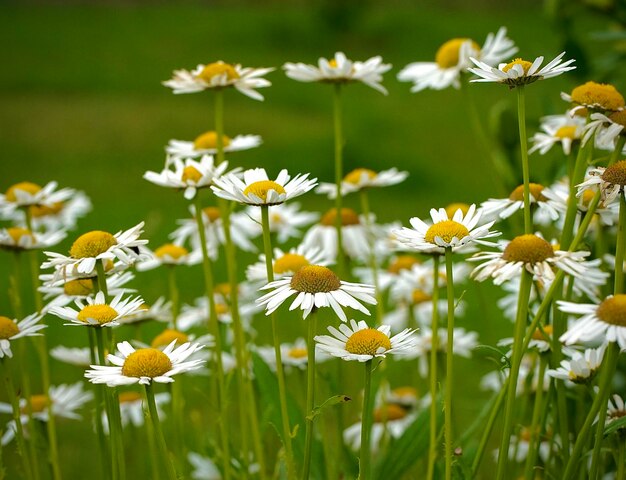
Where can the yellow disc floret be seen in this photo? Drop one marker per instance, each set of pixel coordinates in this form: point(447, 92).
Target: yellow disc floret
point(566, 131)
point(348, 217)
point(315, 279)
point(27, 187)
point(446, 230)
point(100, 313)
point(420, 296)
point(529, 249)
point(92, 244)
point(518, 61)
point(389, 412)
point(172, 251)
point(535, 190)
point(448, 54)
point(212, 213)
point(38, 404)
point(168, 336)
point(453, 207)
point(297, 352)
point(80, 287)
point(545, 335)
point(16, 234)
point(262, 187)
point(212, 70)
point(402, 262)
point(616, 173)
point(8, 328)
point(146, 362)
point(191, 174)
point(44, 210)
point(128, 397)
point(601, 96)
point(613, 310)
point(290, 262)
point(208, 141)
point(368, 341)
point(619, 118)
point(354, 177)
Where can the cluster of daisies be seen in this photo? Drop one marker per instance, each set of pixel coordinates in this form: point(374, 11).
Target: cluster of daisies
point(378, 290)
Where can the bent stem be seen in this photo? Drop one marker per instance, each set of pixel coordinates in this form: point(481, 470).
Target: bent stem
point(310, 394)
point(156, 424)
point(366, 424)
point(449, 364)
point(434, 347)
point(521, 118)
point(337, 122)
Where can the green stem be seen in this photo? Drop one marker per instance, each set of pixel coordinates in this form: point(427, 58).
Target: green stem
point(365, 208)
point(310, 394)
point(102, 279)
point(160, 439)
point(214, 328)
point(366, 425)
point(434, 348)
point(280, 374)
point(521, 117)
point(98, 389)
point(337, 122)
point(117, 433)
point(535, 427)
point(14, 287)
point(174, 294)
point(219, 123)
point(621, 245)
point(621, 458)
point(518, 340)
point(449, 364)
point(495, 411)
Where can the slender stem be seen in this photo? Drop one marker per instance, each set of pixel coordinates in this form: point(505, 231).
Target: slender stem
point(366, 425)
point(337, 122)
point(535, 427)
point(449, 364)
point(495, 411)
point(15, 287)
point(621, 458)
point(174, 294)
point(433, 381)
point(214, 328)
point(102, 279)
point(160, 439)
point(219, 123)
point(621, 245)
point(365, 208)
point(280, 374)
point(521, 117)
point(310, 394)
point(518, 339)
point(117, 433)
point(578, 176)
point(98, 389)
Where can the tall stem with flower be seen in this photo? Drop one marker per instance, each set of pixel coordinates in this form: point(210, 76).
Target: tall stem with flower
point(339, 141)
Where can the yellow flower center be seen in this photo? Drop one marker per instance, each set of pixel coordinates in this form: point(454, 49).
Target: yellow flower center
point(146, 362)
point(221, 308)
point(16, 234)
point(402, 262)
point(128, 397)
point(566, 131)
point(619, 118)
point(419, 296)
point(613, 310)
point(191, 174)
point(453, 207)
point(528, 249)
point(212, 213)
point(27, 187)
point(100, 313)
point(290, 262)
point(598, 95)
point(8, 328)
point(223, 289)
point(43, 210)
point(173, 251)
point(405, 392)
point(535, 190)
point(448, 54)
point(539, 335)
point(208, 140)
point(168, 336)
point(389, 412)
point(297, 352)
point(92, 244)
point(333, 63)
point(315, 279)
point(616, 173)
point(518, 61)
point(348, 217)
point(368, 342)
point(38, 404)
point(218, 68)
point(446, 230)
point(261, 188)
point(80, 287)
point(587, 196)
point(354, 177)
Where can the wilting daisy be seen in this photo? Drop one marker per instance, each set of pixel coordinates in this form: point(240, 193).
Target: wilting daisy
point(505, 207)
point(285, 264)
point(65, 401)
point(220, 75)
point(28, 194)
point(581, 367)
point(206, 144)
point(145, 365)
point(558, 129)
point(12, 330)
point(293, 355)
point(188, 174)
point(444, 233)
point(257, 189)
point(520, 72)
point(96, 312)
point(605, 322)
point(171, 255)
point(595, 97)
point(453, 58)
point(362, 178)
point(341, 70)
point(611, 181)
point(286, 220)
point(18, 238)
point(357, 341)
point(316, 286)
point(536, 255)
point(95, 246)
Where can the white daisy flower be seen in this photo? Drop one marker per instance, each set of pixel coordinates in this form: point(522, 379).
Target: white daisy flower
point(198, 313)
point(537, 256)
point(557, 129)
point(80, 357)
point(206, 144)
point(610, 180)
point(28, 194)
point(257, 189)
point(527, 380)
point(95, 246)
point(387, 277)
point(316, 286)
point(605, 129)
point(160, 310)
point(455, 233)
point(357, 341)
point(464, 343)
point(133, 409)
point(64, 401)
point(188, 174)
point(422, 311)
point(169, 335)
point(145, 365)
point(594, 97)
point(18, 238)
point(604, 322)
point(341, 70)
point(520, 72)
point(286, 220)
point(581, 367)
point(405, 396)
point(501, 208)
point(294, 355)
point(453, 58)
point(616, 409)
point(170, 254)
point(205, 469)
point(522, 442)
point(12, 330)
point(96, 312)
point(220, 75)
point(285, 264)
point(541, 340)
point(362, 178)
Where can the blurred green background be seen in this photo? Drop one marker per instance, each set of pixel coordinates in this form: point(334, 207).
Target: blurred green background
point(82, 104)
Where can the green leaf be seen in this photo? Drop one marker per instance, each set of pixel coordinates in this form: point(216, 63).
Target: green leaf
point(614, 426)
point(328, 403)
